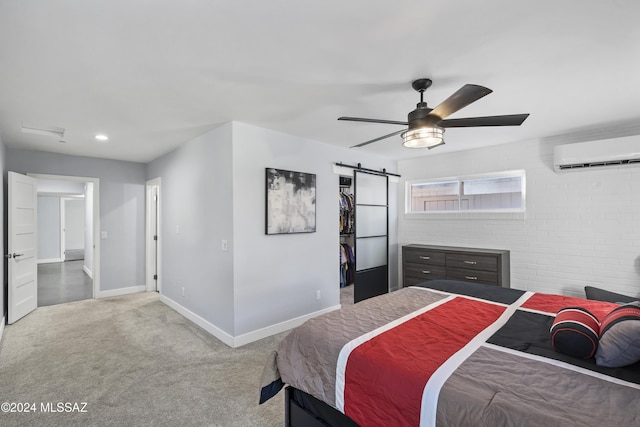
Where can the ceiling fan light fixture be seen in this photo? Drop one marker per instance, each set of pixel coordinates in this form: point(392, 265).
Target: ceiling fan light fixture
point(426, 137)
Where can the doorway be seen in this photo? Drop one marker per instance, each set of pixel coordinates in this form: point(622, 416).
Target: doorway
point(68, 252)
point(153, 236)
point(22, 238)
point(62, 273)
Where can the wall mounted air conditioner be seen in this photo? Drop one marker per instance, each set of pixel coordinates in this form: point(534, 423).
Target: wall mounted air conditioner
point(604, 152)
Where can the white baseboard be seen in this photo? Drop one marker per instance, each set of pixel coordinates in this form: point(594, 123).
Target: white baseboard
point(121, 291)
point(204, 324)
point(87, 271)
point(50, 260)
point(2, 328)
point(249, 337)
point(258, 334)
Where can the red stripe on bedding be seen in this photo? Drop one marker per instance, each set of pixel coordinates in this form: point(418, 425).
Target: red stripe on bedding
point(549, 303)
point(378, 393)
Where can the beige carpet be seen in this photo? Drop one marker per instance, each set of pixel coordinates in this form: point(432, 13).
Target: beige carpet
point(346, 295)
point(133, 361)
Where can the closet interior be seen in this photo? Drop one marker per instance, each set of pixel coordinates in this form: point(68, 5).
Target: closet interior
point(347, 231)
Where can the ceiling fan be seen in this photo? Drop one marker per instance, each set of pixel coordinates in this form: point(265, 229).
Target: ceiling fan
point(426, 125)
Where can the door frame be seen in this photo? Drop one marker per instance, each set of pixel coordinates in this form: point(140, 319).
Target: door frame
point(96, 220)
point(151, 284)
point(62, 230)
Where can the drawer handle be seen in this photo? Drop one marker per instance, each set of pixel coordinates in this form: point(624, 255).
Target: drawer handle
point(471, 277)
point(471, 262)
point(425, 257)
point(426, 272)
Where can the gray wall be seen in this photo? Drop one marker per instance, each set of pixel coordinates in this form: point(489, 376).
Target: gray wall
point(213, 189)
point(54, 186)
point(49, 231)
point(74, 213)
point(88, 228)
point(122, 206)
point(196, 214)
point(276, 277)
point(49, 228)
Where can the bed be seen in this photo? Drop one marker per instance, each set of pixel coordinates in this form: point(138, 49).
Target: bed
point(448, 353)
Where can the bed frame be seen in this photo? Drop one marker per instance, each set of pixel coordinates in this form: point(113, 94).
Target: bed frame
point(526, 327)
point(303, 410)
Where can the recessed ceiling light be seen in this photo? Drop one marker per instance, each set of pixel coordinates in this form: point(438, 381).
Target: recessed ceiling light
point(102, 137)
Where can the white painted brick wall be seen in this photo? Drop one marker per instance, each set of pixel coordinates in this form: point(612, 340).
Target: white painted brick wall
point(580, 228)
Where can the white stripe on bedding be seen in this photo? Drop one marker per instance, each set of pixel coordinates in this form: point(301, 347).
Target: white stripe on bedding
point(428, 409)
point(564, 365)
point(533, 310)
point(351, 345)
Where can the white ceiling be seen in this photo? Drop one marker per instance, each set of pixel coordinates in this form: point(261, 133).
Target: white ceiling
point(153, 74)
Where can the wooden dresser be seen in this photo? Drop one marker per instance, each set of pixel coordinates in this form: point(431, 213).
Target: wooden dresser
point(425, 262)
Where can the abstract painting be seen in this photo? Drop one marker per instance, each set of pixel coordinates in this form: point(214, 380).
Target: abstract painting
point(291, 202)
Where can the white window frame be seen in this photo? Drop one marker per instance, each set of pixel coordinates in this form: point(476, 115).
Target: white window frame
point(515, 213)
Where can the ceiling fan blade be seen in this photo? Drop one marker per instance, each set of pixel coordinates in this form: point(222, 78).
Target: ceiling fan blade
point(463, 97)
point(360, 119)
point(506, 120)
point(377, 139)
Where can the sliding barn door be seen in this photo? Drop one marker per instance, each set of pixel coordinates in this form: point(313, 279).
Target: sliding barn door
point(372, 240)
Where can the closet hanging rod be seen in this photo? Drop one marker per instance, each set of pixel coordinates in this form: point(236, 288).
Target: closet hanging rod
point(360, 168)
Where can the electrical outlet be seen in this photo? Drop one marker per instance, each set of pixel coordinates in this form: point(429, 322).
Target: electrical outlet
point(318, 296)
point(183, 291)
point(224, 246)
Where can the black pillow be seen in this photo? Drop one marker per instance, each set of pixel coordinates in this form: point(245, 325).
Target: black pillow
point(602, 295)
point(575, 332)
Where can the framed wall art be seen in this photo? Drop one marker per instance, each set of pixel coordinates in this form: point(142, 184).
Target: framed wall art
point(291, 202)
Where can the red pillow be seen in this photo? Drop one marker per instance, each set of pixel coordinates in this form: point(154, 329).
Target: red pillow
point(575, 332)
point(620, 337)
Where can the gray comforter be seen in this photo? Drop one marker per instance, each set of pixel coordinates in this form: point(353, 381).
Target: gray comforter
point(492, 386)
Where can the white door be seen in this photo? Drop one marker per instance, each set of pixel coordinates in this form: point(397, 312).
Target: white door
point(22, 245)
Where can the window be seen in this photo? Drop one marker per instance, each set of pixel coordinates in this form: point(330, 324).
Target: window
point(499, 192)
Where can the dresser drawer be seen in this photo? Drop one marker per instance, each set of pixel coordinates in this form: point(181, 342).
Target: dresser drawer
point(421, 256)
point(424, 272)
point(472, 261)
point(467, 275)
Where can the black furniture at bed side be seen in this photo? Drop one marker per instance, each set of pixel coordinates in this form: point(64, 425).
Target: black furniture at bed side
point(427, 262)
point(598, 294)
point(304, 410)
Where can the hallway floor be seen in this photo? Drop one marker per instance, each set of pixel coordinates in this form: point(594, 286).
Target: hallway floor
point(62, 282)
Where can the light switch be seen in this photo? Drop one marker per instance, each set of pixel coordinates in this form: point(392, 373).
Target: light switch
point(104, 235)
